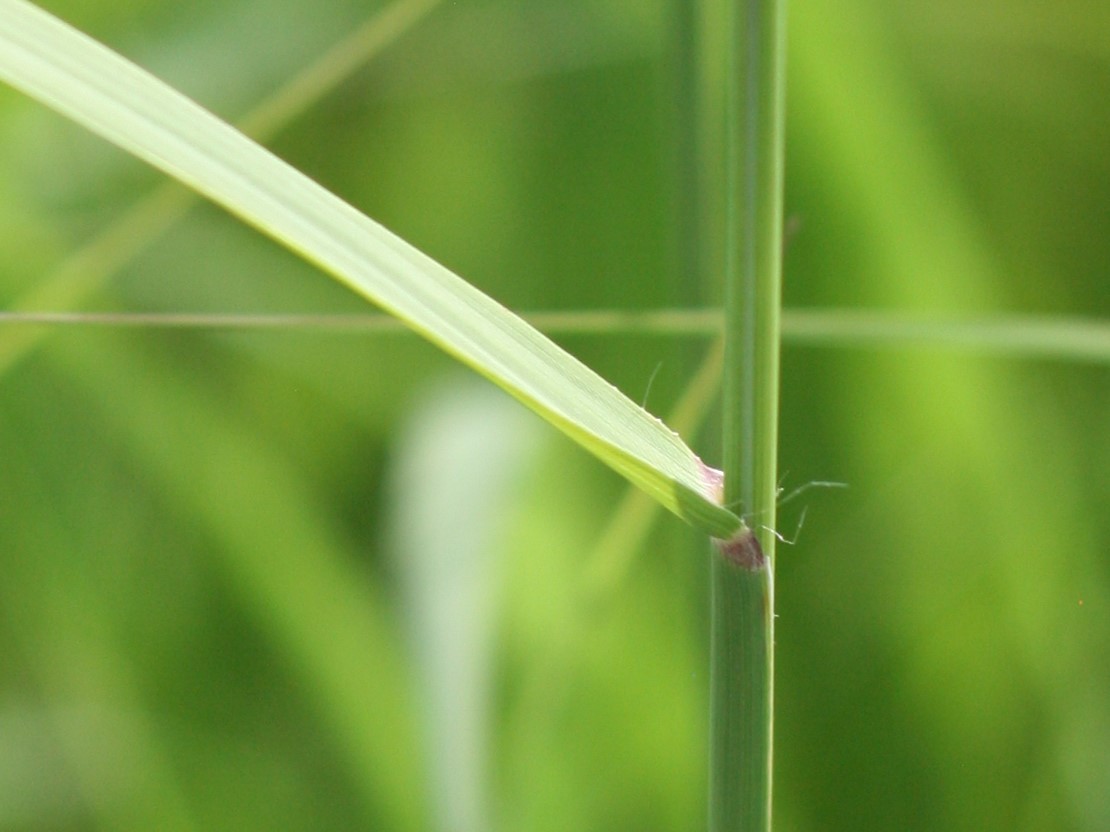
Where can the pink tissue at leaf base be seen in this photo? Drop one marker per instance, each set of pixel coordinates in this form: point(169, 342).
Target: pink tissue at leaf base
point(714, 481)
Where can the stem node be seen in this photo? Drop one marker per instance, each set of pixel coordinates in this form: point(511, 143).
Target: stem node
point(743, 550)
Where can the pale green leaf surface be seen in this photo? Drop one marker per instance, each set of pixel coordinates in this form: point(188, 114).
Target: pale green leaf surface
point(93, 86)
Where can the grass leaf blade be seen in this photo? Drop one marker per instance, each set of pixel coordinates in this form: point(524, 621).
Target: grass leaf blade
point(93, 86)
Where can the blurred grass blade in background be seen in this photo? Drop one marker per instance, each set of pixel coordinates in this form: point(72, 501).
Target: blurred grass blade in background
point(279, 553)
point(1019, 337)
point(453, 479)
point(88, 83)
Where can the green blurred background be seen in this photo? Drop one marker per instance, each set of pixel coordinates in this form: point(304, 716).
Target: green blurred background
point(301, 579)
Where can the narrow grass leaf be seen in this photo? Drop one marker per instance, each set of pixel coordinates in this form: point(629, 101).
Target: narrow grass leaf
point(110, 96)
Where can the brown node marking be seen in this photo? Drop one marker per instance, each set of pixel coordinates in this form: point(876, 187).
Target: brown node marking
point(743, 550)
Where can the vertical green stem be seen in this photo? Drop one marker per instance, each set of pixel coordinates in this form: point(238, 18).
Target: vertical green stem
point(742, 635)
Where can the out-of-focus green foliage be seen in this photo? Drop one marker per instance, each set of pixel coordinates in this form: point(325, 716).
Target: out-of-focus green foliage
point(201, 624)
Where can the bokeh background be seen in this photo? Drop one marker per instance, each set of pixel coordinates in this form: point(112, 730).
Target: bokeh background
point(304, 579)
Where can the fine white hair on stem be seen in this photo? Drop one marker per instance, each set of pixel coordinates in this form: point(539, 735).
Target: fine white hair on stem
point(797, 492)
point(802, 489)
point(797, 530)
point(781, 501)
point(651, 381)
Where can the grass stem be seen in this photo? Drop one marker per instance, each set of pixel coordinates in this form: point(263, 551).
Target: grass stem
point(742, 627)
